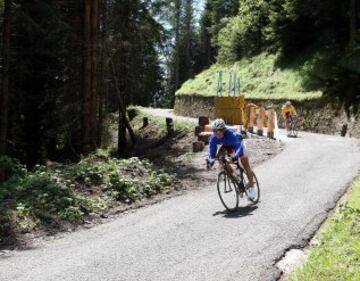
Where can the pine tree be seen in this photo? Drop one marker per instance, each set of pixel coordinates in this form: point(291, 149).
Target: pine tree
point(4, 91)
point(135, 39)
point(189, 39)
point(59, 64)
point(353, 13)
point(90, 75)
point(213, 19)
point(207, 51)
point(178, 13)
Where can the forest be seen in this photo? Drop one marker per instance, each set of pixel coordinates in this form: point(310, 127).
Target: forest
point(65, 65)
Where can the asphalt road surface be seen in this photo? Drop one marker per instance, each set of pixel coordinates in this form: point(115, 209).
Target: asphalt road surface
point(191, 237)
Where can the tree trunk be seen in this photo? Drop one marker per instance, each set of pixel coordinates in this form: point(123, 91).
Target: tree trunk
point(122, 108)
point(101, 84)
point(87, 90)
point(353, 22)
point(177, 44)
point(189, 17)
point(5, 81)
point(33, 132)
point(123, 79)
point(123, 85)
point(94, 72)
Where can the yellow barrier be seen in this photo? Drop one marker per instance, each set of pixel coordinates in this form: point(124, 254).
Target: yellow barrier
point(231, 109)
point(234, 112)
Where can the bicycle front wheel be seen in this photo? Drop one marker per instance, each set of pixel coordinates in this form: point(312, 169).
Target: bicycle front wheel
point(257, 187)
point(228, 192)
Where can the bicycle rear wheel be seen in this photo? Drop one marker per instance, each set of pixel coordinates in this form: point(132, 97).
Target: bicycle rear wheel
point(294, 129)
point(228, 192)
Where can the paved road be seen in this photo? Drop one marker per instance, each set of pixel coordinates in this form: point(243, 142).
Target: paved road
point(191, 238)
point(167, 113)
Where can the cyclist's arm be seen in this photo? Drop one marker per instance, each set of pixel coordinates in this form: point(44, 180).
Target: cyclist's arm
point(293, 110)
point(212, 149)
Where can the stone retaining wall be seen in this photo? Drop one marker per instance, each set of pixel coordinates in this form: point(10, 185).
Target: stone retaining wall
point(314, 115)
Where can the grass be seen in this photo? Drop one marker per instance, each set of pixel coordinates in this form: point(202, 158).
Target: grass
point(336, 257)
point(47, 197)
point(160, 122)
point(158, 126)
point(260, 76)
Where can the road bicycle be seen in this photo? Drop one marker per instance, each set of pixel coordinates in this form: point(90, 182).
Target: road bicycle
point(292, 130)
point(232, 183)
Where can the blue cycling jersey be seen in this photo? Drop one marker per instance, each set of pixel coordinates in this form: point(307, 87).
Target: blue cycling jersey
point(231, 139)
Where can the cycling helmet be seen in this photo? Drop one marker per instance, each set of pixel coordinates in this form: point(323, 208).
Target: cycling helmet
point(218, 125)
point(288, 103)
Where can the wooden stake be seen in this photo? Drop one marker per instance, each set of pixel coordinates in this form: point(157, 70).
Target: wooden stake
point(261, 121)
point(271, 124)
point(170, 127)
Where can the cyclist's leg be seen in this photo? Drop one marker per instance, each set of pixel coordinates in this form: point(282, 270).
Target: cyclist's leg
point(245, 162)
point(288, 120)
point(221, 154)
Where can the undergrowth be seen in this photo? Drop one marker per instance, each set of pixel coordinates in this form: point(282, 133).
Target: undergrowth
point(46, 197)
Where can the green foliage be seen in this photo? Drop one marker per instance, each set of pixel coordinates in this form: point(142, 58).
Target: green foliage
point(124, 180)
point(288, 28)
point(336, 253)
point(10, 166)
point(286, 25)
point(337, 73)
point(137, 37)
point(23, 218)
point(214, 17)
point(243, 35)
point(71, 213)
point(260, 78)
point(47, 196)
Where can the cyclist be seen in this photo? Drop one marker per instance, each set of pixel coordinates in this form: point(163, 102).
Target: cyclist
point(232, 143)
point(288, 111)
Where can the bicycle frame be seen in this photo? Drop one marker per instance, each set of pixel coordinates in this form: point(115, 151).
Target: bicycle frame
point(226, 166)
point(292, 130)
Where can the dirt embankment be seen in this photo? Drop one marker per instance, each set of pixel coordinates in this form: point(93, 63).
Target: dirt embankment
point(314, 115)
point(175, 154)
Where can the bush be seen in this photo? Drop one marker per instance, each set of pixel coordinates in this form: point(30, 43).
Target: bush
point(49, 195)
point(8, 167)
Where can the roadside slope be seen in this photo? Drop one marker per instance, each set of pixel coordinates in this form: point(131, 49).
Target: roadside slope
point(191, 238)
point(262, 77)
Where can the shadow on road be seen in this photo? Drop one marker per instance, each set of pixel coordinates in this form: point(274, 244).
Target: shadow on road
point(6, 252)
point(239, 213)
